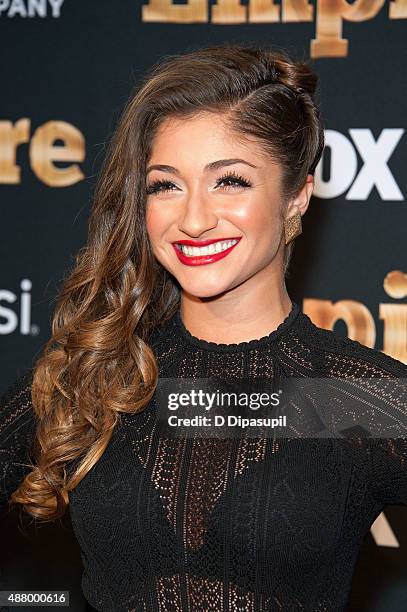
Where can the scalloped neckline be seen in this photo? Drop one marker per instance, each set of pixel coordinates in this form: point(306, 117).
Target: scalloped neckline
point(245, 345)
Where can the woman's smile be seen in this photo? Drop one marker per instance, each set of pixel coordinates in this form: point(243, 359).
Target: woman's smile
point(200, 252)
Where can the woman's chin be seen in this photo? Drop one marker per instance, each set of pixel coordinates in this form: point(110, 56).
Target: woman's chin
point(205, 289)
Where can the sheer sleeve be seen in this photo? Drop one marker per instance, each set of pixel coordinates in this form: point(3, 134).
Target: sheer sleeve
point(389, 470)
point(17, 429)
point(388, 454)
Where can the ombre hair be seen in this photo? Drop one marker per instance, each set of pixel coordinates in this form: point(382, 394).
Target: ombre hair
point(98, 361)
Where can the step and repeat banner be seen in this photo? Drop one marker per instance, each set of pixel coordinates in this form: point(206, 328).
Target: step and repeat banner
point(67, 69)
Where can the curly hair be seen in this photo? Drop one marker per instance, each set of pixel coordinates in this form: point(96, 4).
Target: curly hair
point(98, 361)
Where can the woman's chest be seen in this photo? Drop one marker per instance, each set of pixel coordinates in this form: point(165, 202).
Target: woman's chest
point(195, 503)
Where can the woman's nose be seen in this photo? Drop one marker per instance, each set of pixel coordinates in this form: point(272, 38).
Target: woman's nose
point(198, 216)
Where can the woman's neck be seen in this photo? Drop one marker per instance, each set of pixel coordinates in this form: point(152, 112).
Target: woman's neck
point(234, 318)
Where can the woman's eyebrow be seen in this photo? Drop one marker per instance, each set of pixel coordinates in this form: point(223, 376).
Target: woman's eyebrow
point(220, 163)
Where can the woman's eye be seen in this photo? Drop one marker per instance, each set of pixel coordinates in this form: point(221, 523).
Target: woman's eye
point(159, 187)
point(227, 181)
point(233, 180)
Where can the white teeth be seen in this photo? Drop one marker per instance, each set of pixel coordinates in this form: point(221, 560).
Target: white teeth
point(211, 249)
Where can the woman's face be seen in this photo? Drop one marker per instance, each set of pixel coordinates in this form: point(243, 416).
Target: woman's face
point(201, 192)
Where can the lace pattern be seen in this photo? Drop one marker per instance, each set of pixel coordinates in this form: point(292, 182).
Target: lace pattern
point(249, 524)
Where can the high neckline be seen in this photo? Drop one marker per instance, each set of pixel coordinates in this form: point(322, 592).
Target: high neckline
point(237, 346)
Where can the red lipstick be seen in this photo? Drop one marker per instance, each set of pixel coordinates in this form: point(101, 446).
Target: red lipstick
point(199, 260)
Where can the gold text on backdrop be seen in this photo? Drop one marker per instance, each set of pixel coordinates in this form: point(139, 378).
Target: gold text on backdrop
point(329, 16)
point(54, 141)
point(359, 320)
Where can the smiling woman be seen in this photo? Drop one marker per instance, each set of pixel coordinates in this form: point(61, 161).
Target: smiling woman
point(229, 212)
point(182, 281)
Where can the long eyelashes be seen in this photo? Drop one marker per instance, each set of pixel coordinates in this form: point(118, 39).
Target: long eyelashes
point(232, 178)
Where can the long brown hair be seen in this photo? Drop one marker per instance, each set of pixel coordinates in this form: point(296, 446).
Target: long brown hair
point(98, 361)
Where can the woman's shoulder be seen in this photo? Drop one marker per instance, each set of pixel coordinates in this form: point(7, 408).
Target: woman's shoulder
point(344, 355)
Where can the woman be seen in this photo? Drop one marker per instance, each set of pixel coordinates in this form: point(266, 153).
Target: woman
point(183, 277)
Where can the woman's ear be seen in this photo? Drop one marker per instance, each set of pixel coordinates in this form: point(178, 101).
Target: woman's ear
point(301, 201)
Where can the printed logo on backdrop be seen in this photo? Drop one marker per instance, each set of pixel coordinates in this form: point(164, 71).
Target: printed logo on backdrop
point(327, 15)
point(54, 141)
point(17, 318)
point(360, 321)
point(30, 8)
point(344, 175)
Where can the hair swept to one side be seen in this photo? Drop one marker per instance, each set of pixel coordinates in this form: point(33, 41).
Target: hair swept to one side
point(98, 361)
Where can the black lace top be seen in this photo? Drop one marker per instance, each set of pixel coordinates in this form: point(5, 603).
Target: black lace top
point(237, 524)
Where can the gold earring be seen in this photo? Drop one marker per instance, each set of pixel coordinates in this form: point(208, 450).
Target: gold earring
point(292, 227)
